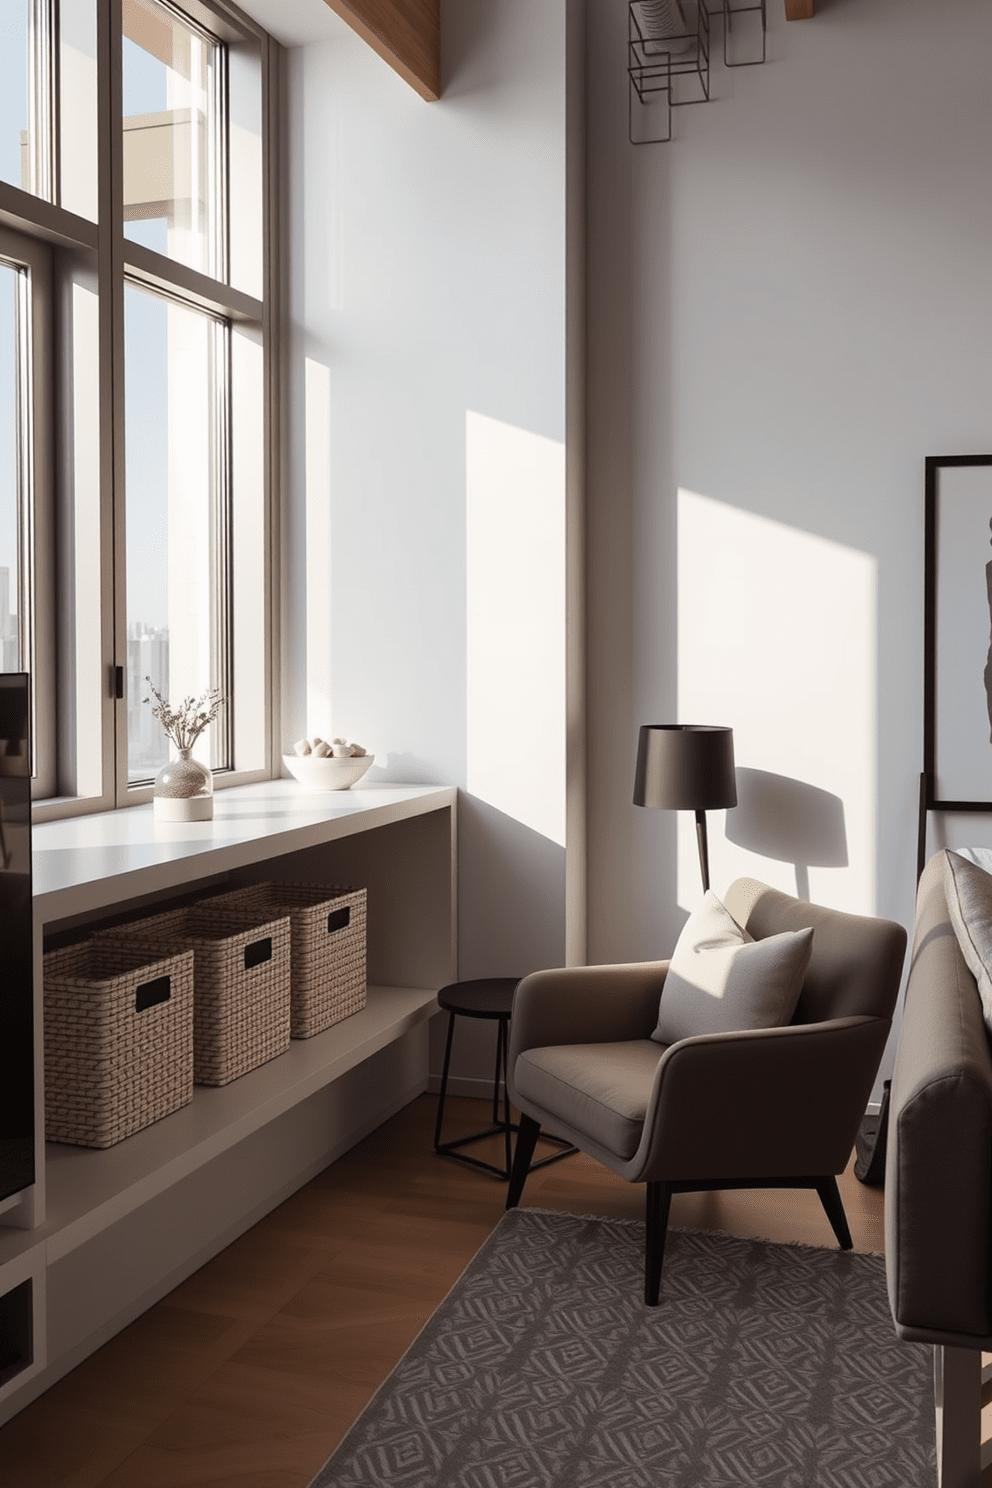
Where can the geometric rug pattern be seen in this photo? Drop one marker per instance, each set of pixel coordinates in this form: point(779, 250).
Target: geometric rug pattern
point(765, 1364)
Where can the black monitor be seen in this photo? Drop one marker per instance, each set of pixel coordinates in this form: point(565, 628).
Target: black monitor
point(17, 1169)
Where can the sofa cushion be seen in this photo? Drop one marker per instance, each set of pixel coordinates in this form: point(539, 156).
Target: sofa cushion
point(937, 1211)
point(722, 980)
point(600, 1090)
point(968, 890)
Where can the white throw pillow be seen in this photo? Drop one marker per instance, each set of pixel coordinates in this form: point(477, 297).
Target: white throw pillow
point(968, 891)
point(722, 980)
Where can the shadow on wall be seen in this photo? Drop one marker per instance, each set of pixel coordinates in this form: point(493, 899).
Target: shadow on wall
point(402, 768)
point(469, 34)
point(511, 894)
point(511, 921)
point(789, 821)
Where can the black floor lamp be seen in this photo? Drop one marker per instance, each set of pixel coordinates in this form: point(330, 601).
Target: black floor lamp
point(686, 767)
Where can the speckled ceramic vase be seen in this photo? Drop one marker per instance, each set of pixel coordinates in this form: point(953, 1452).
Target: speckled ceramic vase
point(184, 790)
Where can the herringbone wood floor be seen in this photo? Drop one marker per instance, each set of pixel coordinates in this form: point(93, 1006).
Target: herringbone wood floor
point(249, 1373)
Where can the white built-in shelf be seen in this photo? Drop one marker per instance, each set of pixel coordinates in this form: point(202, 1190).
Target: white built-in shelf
point(88, 863)
point(62, 1237)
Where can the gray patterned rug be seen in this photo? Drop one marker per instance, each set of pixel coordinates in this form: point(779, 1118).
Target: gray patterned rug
point(770, 1365)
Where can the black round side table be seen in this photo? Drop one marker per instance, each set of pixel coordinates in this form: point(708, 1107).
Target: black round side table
point(490, 998)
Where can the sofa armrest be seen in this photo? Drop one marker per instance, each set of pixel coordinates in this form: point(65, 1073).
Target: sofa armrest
point(782, 1102)
point(938, 1179)
point(586, 1005)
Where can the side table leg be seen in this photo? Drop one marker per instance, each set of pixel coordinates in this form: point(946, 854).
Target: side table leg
point(497, 1073)
point(502, 1057)
point(444, 1083)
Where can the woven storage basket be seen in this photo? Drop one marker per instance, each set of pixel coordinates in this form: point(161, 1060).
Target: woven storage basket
point(328, 959)
point(118, 1040)
point(240, 985)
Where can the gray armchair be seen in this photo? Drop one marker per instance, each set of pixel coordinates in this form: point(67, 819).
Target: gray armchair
point(768, 1108)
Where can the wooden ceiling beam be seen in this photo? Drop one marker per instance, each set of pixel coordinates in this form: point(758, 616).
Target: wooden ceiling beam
point(405, 33)
point(799, 10)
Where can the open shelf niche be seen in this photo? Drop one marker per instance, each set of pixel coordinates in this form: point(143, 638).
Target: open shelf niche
point(105, 1233)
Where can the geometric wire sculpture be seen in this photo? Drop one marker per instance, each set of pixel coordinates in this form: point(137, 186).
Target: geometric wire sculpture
point(668, 56)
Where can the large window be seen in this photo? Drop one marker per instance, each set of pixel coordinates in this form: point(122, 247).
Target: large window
point(177, 393)
point(136, 384)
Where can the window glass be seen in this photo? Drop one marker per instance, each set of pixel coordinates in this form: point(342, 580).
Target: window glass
point(245, 150)
point(15, 158)
point(10, 524)
point(26, 565)
point(175, 386)
point(78, 102)
point(173, 177)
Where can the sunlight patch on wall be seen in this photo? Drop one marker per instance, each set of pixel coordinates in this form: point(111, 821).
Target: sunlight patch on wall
point(777, 637)
point(318, 549)
point(515, 583)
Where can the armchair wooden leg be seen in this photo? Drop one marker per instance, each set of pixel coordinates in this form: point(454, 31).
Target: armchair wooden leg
point(658, 1201)
point(834, 1208)
point(522, 1156)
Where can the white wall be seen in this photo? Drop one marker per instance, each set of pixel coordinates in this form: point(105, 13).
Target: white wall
point(789, 308)
point(424, 552)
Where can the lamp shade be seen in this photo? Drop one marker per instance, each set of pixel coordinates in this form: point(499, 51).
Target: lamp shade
point(685, 767)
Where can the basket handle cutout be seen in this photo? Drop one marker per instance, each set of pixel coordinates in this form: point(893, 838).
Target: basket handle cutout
point(338, 919)
point(150, 994)
point(258, 952)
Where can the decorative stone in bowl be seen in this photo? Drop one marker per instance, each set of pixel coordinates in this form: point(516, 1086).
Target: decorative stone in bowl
point(325, 773)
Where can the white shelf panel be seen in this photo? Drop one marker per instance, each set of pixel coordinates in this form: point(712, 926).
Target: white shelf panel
point(116, 862)
point(88, 863)
point(89, 1189)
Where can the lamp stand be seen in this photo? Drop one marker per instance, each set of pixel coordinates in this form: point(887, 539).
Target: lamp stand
point(704, 859)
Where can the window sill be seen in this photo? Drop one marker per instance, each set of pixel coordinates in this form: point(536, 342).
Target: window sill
point(83, 864)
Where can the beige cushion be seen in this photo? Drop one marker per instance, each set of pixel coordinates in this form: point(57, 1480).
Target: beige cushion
point(968, 890)
point(937, 1212)
point(721, 979)
point(601, 1090)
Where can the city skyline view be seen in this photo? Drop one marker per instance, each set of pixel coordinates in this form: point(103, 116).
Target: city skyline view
point(147, 657)
point(10, 645)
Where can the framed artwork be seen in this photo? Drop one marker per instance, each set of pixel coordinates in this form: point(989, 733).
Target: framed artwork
point(957, 677)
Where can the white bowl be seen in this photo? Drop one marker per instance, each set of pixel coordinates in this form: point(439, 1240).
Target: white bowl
point(325, 773)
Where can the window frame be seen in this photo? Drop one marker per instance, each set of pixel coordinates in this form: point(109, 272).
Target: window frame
point(36, 557)
point(115, 259)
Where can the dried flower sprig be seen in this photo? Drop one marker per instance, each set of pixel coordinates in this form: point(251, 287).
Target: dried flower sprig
point(186, 723)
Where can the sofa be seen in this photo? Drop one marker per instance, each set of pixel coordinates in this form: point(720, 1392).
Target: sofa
point(938, 1182)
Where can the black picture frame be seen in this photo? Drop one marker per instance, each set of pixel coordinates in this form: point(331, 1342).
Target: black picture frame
point(957, 708)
